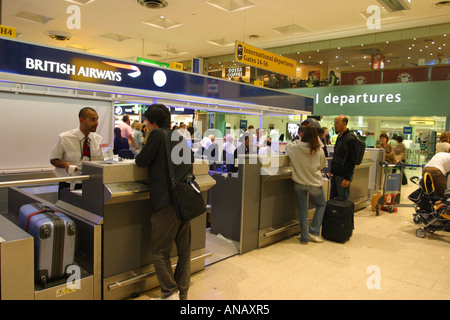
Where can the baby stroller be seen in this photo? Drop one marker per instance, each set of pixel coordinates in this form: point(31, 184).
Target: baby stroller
point(432, 211)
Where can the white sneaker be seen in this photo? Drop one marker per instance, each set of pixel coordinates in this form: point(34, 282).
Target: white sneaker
point(315, 239)
point(173, 296)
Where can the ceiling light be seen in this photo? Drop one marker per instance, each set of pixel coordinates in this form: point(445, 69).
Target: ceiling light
point(162, 22)
point(222, 42)
point(33, 17)
point(80, 2)
point(59, 35)
point(395, 5)
point(231, 5)
point(290, 29)
point(115, 36)
point(442, 3)
point(153, 4)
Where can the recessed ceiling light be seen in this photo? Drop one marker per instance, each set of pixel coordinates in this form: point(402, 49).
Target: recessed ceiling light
point(114, 36)
point(153, 4)
point(290, 29)
point(162, 22)
point(231, 5)
point(29, 16)
point(222, 42)
point(80, 2)
point(442, 3)
point(59, 35)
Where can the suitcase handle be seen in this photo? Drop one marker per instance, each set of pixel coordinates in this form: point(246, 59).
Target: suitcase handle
point(32, 215)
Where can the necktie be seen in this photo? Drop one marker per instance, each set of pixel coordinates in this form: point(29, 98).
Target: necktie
point(86, 148)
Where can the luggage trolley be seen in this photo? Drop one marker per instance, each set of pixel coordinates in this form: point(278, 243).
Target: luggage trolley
point(392, 187)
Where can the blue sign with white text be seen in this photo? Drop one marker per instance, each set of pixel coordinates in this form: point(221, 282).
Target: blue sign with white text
point(35, 60)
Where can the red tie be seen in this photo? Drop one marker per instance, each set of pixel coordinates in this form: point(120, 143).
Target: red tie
point(86, 148)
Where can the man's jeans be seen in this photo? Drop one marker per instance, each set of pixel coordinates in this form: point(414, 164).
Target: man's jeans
point(167, 229)
point(336, 191)
point(317, 195)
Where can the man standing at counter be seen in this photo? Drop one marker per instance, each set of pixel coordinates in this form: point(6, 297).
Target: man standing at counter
point(166, 228)
point(344, 159)
point(77, 145)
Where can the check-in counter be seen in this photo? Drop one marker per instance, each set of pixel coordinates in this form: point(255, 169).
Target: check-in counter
point(258, 206)
point(119, 194)
point(279, 205)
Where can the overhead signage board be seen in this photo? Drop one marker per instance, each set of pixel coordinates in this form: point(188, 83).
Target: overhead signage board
point(7, 31)
point(263, 59)
point(153, 62)
point(176, 66)
point(23, 58)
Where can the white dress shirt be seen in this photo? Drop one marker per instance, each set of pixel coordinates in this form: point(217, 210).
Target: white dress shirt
point(69, 148)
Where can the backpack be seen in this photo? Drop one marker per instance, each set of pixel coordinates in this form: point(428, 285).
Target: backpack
point(360, 150)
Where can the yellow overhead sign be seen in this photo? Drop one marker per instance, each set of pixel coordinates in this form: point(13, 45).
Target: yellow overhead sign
point(266, 60)
point(7, 31)
point(176, 66)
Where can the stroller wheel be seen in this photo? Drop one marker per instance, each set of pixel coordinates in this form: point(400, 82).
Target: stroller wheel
point(421, 233)
point(416, 219)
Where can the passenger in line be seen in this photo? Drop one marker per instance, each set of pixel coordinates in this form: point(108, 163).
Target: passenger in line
point(137, 136)
point(388, 152)
point(344, 159)
point(120, 143)
point(166, 227)
point(308, 159)
point(77, 145)
point(127, 131)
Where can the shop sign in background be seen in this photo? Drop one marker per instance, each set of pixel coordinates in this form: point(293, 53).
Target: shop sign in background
point(266, 60)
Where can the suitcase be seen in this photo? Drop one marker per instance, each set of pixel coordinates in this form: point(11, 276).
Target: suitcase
point(375, 198)
point(54, 240)
point(338, 224)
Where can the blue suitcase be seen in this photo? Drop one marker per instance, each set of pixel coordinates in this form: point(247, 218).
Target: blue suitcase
point(54, 240)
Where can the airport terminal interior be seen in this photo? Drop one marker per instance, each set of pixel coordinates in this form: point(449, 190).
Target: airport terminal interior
point(225, 69)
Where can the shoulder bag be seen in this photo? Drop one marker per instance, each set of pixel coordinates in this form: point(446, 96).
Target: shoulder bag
point(186, 195)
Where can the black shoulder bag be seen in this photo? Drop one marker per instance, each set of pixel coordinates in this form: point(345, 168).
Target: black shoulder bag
point(186, 195)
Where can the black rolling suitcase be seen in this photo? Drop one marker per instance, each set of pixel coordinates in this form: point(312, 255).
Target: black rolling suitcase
point(337, 224)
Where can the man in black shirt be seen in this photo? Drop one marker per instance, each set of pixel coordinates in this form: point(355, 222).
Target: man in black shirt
point(166, 228)
point(344, 159)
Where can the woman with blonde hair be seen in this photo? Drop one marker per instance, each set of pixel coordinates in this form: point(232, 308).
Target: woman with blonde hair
point(308, 159)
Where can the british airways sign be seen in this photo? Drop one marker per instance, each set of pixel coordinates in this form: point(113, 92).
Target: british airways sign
point(28, 59)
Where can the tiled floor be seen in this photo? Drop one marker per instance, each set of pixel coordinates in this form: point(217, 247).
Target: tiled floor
point(408, 267)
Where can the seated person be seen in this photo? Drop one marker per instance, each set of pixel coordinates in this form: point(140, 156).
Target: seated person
point(120, 143)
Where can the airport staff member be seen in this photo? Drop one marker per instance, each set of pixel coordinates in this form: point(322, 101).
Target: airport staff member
point(343, 163)
point(74, 146)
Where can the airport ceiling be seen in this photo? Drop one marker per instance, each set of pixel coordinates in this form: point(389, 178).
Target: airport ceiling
point(185, 29)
